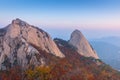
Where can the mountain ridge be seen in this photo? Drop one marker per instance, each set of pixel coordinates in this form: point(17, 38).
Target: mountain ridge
point(29, 53)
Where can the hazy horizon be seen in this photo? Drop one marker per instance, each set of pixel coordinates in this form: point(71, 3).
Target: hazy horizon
point(95, 18)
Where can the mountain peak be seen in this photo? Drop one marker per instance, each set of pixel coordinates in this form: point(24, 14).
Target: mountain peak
point(23, 42)
point(80, 42)
point(19, 22)
point(77, 32)
point(76, 36)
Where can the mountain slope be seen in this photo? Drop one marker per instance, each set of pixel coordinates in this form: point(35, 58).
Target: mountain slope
point(28, 53)
point(80, 42)
point(20, 43)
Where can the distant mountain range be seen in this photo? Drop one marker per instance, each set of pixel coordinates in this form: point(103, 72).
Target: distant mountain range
point(108, 50)
point(112, 40)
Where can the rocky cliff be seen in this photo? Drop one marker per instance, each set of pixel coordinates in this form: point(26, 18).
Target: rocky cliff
point(21, 42)
point(83, 47)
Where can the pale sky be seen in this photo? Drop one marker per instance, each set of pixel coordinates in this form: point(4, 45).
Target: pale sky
point(95, 18)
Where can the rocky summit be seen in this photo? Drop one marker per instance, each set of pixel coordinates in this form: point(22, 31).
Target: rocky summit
point(83, 47)
point(20, 42)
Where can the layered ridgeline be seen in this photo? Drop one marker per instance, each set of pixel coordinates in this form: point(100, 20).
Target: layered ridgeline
point(29, 53)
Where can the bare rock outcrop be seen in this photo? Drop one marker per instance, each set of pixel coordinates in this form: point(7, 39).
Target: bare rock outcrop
point(20, 44)
point(83, 47)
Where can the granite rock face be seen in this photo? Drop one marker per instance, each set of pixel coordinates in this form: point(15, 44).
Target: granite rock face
point(20, 44)
point(83, 47)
